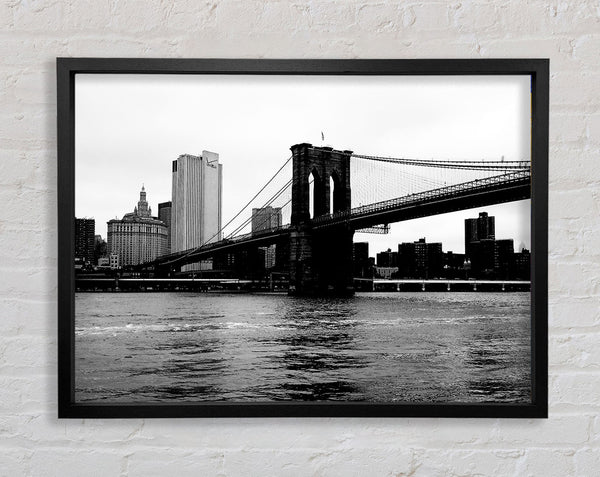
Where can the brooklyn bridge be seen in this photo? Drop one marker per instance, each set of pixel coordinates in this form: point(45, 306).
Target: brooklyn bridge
point(324, 204)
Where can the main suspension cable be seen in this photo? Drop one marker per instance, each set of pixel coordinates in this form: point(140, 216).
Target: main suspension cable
point(450, 164)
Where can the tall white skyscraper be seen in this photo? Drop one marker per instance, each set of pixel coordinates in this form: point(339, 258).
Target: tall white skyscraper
point(196, 201)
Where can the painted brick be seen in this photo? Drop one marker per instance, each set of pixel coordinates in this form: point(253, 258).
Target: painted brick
point(593, 128)
point(566, 430)
point(138, 16)
point(122, 47)
point(587, 462)
point(576, 388)
point(15, 462)
point(35, 87)
point(595, 431)
point(564, 91)
point(320, 462)
point(14, 310)
point(558, 49)
point(574, 204)
point(162, 461)
point(102, 431)
point(409, 46)
point(570, 312)
point(12, 260)
point(475, 16)
point(88, 15)
point(33, 169)
point(574, 165)
point(27, 355)
point(585, 49)
point(576, 351)
point(22, 395)
point(430, 16)
point(380, 17)
point(20, 50)
point(63, 463)
point(547, 462)
point(43, 15)
point(576, 279)
point(565, 240)
point(467, 462)
point(574, 238)
point(332, 16)
point(567, 128)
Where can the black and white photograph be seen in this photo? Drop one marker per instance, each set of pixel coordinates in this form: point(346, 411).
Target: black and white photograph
point(302, 239)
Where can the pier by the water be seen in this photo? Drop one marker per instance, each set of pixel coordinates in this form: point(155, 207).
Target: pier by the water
point(414, 285)
point(116, 284)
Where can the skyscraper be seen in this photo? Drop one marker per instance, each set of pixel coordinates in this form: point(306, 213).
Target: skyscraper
point(523, 265)
point(360, 260)
point(435, 260)
point(84, 240)
point(387, 258)
point(486, 226)
point(267, 218)
point(196, 201)
point(137, 237)
point(481, 228)
point(164, 214)
point(470, 234)
point(505, 260)
point(100, 249)
point(420, 259)
point(480, 245)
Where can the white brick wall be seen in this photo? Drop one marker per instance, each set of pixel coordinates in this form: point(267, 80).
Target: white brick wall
point(34, 442)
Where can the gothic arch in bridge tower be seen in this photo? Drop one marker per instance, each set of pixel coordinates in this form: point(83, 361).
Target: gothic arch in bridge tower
point(320, 260)
point(339, 199)
point(318, 193)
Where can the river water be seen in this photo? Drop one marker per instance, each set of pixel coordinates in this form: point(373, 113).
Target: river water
point(376, 347)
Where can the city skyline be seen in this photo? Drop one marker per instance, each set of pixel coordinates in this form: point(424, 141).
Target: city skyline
point(261, 220)
point(414, 232)
point(518, 247)
point(130, 129)
point(487, 255)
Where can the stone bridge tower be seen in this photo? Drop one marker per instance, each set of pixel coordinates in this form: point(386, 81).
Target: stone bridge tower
point(320, 260)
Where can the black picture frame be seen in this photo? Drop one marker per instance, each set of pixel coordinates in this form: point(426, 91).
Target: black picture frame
point(67, 68)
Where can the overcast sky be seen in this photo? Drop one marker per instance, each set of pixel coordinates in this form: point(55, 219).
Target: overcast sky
point(130, 127)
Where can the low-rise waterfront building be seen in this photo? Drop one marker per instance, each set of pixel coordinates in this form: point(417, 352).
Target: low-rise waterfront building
point(386, 272)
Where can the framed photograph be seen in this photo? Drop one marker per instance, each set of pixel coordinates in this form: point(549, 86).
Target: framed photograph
point(340, 238)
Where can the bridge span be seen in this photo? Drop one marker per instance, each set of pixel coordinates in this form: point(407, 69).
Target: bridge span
point(320, 248)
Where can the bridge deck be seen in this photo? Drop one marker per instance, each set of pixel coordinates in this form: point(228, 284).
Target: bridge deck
point(478, 193)
point(258, 239)
point(492, 190)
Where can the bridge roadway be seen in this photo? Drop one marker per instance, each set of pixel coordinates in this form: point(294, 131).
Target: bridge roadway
point(256, 239)
point(479, 193)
